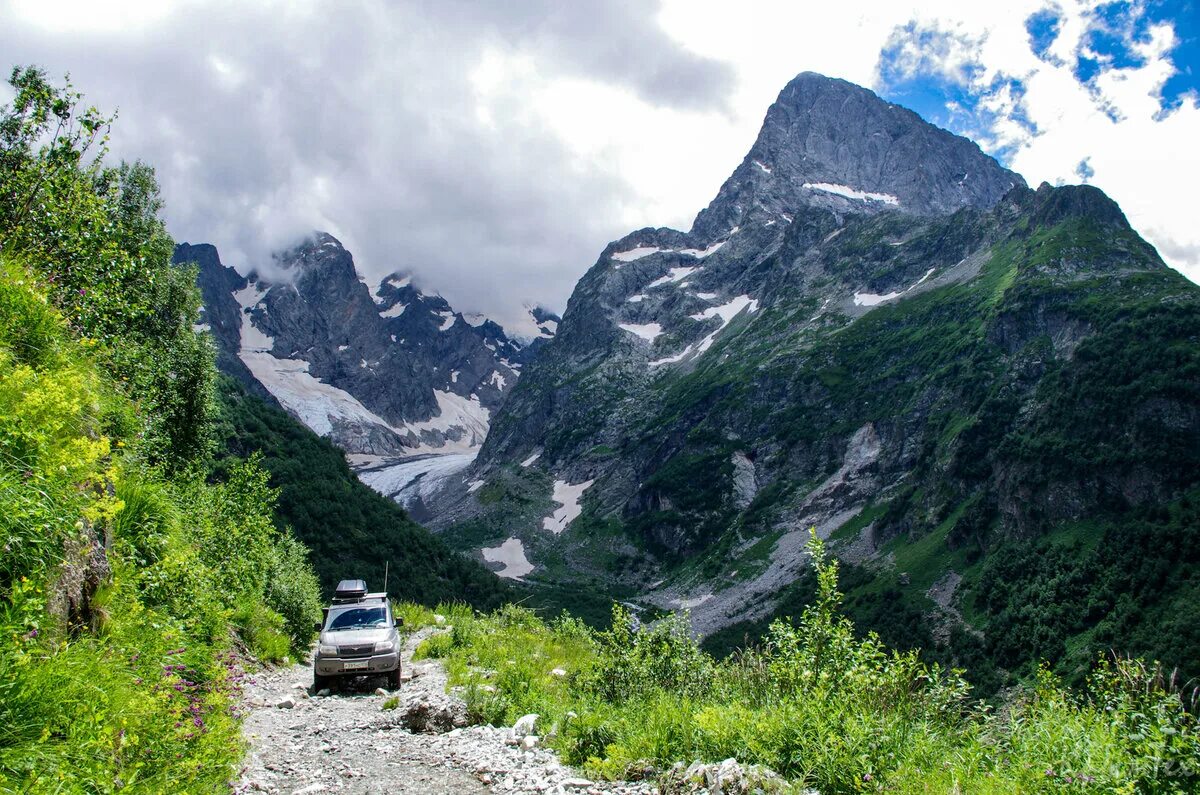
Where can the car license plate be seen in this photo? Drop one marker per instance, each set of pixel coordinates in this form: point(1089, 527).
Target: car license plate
point(355, 666)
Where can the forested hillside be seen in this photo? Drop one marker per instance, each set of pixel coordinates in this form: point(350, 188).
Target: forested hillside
point(351, 530)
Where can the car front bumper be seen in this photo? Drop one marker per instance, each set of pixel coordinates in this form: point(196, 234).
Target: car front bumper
point(357, 666)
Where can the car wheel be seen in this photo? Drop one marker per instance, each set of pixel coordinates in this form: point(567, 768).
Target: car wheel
point(393, 679)
point(320, 683)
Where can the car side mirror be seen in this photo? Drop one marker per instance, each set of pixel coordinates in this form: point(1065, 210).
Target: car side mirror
point(399, 622)
point(317, 626)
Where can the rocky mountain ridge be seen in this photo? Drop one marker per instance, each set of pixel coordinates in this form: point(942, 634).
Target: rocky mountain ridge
point(875, 330)
point(384, 372)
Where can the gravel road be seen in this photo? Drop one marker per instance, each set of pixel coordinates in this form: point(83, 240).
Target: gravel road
point(301, 742)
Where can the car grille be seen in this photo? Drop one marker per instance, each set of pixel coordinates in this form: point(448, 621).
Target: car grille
point(359, 650)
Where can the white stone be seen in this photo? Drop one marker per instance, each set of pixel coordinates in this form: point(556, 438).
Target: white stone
point(526, 725)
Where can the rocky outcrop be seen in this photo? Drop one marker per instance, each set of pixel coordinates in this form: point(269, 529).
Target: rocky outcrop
point(724, 778)
point(831, 144)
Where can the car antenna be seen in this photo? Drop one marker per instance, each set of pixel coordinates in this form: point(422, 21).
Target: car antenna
point(386, 563)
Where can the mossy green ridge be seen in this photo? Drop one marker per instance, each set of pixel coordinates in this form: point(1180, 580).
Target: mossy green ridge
point(1042, 383)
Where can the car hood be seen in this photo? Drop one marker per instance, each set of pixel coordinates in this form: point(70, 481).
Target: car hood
point(353, 637)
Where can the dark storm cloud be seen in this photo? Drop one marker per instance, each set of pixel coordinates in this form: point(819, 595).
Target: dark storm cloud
point(265, 122)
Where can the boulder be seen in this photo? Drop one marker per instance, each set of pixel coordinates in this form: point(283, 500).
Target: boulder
point(425, 717)
point(526, 725)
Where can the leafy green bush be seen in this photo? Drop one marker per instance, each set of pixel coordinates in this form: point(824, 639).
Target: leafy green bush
point(262, 629)
point(634, 663)
point(293, 590)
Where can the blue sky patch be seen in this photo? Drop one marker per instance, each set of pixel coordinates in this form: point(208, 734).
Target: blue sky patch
point(951, 101)
point(912, 65)
point(1118, 26)
point(1043, 28)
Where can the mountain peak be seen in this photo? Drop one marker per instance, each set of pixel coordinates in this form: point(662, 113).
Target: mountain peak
point(829, 143)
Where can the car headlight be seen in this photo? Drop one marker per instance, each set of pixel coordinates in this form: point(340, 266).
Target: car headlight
point(384, 645)
point(327, 651)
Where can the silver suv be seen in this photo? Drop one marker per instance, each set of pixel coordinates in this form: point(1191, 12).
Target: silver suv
point(358, 637)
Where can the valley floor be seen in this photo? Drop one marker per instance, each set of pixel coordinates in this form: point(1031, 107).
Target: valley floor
point(347, 742)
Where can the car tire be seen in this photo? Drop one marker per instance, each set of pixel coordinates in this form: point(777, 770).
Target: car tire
point(393, 678)
point(321, 683)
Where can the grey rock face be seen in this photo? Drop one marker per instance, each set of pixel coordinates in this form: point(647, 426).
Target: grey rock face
point(827, 132)
point(383, 372)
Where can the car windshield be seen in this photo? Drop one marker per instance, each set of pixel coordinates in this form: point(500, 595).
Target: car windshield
point(358, 618)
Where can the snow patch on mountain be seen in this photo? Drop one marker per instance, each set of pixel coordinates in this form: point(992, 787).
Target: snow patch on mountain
point(530, 328)
point(253, 338)
point(726, 313)
point(415, 478)
point(702, 253)
point(851, 193)
point(314, 402)
point(456, 411)
point(871, 299)
point(512, 555)
point(636, 253)
point(675, 275)
point(567, 496)
point(647, 331)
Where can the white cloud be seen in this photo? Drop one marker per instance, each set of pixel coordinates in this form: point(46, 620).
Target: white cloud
point(493, 150)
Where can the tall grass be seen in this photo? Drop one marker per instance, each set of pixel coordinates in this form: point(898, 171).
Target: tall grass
point(815, 703)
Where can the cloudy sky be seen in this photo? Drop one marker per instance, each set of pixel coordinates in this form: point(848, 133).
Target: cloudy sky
point(493, 148)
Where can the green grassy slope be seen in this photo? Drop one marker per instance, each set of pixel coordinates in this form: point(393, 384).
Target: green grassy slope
point(826, 709)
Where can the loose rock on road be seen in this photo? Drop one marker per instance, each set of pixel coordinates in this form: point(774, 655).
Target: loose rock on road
point(346, 742)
